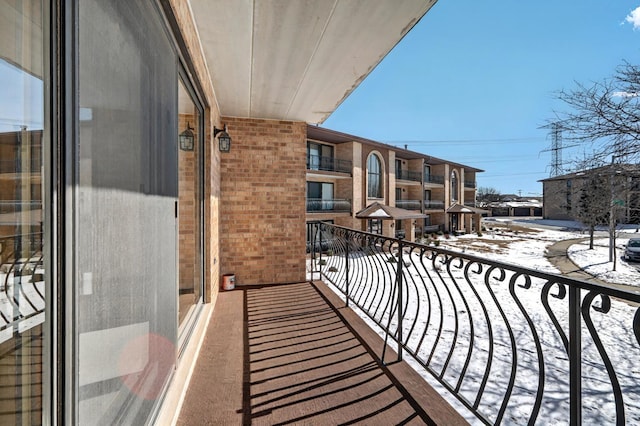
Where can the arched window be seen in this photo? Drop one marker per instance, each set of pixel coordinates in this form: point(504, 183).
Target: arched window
point(454, 186)
point(374, 177)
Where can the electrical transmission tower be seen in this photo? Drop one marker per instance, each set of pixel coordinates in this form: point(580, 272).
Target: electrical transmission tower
point(556, 148)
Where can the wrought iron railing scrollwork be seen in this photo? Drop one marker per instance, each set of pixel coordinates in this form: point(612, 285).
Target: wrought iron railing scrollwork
point(511, 344)
point(22, 296)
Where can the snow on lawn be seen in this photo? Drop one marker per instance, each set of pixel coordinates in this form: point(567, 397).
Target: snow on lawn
point(596, 261)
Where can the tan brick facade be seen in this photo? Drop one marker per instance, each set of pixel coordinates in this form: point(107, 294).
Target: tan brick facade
point(262, 213)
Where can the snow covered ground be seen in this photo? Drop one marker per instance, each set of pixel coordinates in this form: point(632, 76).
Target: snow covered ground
point(524, 243)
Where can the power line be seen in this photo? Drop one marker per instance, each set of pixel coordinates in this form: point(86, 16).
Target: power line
point(464, 141)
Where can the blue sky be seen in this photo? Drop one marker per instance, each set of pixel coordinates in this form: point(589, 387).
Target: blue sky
point(474, 80)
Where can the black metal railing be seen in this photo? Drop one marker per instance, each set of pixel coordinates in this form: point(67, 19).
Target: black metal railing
point(469, 183)
point(330, 205)
point(433, 205)
point(408, 204)
point(434, 179)
point(328, 164)
point(22, 292)
point(408, 175)
point(511, 344)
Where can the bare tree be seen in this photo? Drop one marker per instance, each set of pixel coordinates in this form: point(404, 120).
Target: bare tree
point(605, 114)
point(486, 195)
point(593, 204)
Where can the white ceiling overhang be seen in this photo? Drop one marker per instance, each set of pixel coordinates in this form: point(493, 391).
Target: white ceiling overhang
point(296, 59)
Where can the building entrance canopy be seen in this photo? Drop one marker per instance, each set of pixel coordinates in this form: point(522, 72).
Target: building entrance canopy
point(459, 208)
point(381, 211)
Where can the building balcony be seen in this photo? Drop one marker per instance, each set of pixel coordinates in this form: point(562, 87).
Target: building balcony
point(433, 205)
point(408, 175)
point(434, 179)
point(328, 164)
point(317, 205)
point(470, 184)
point(408, 204)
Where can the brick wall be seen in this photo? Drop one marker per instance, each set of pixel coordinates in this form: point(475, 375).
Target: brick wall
point(262, 208)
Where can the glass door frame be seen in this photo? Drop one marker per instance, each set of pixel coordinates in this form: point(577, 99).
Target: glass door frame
point(185, 329)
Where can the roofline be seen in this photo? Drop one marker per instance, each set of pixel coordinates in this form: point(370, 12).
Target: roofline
point(333, 136)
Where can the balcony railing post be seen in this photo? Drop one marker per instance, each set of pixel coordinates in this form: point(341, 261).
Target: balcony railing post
point(319, 225)
point(575, 357)
point(346, 259)
point(399, 307)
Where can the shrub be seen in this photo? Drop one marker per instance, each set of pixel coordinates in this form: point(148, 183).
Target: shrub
point(391, 260)
point(322, 262)
point(333, 269)
point(329, 252)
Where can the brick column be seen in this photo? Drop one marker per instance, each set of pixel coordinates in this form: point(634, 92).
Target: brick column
point(262, 207)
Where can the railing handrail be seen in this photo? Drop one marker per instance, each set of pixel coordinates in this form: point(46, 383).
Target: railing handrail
point(495, 314)
point(408, 175)
point(431, 178)
point(331, 164)
point(328, 204)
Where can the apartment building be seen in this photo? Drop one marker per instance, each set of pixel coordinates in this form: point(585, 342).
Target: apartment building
point(347, 173)
point(620, 187)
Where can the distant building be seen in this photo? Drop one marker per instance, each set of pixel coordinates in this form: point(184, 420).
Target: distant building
point(347, 173)
point(513, 205)
point(562, 193)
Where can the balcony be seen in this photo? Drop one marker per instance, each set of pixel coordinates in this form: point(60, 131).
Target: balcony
point(328, 164)
point(434, 179)
point(433, 205)
point(293, 354)
point(408, 204)
point(470, 184)
point(317, 205)
point(408, 175)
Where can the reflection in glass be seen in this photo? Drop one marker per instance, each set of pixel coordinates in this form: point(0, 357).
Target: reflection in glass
point(189, 274)
point(22, 274)
point(125, 242)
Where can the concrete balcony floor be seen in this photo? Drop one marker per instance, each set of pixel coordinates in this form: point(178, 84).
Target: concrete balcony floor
point(293, 354)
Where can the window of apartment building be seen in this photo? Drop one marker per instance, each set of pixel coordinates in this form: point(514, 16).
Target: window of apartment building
point(319, 156)
point(427, 172)
point(26, 214)
point(398, 169)
point(374, 176)
point(454, 186)
point(319, 196)
point(398, 194)
point(374, 226)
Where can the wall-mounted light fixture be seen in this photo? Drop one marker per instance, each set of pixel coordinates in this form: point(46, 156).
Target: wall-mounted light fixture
point(224, 140)
point(186, 139)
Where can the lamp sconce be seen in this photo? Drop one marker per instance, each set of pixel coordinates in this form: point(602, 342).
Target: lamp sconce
point(224, 140)
point(186, 139)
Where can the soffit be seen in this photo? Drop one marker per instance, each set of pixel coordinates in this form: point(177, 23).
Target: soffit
point(296, 59)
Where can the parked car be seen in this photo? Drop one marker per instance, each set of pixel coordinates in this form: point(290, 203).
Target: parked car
point(632, 251)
